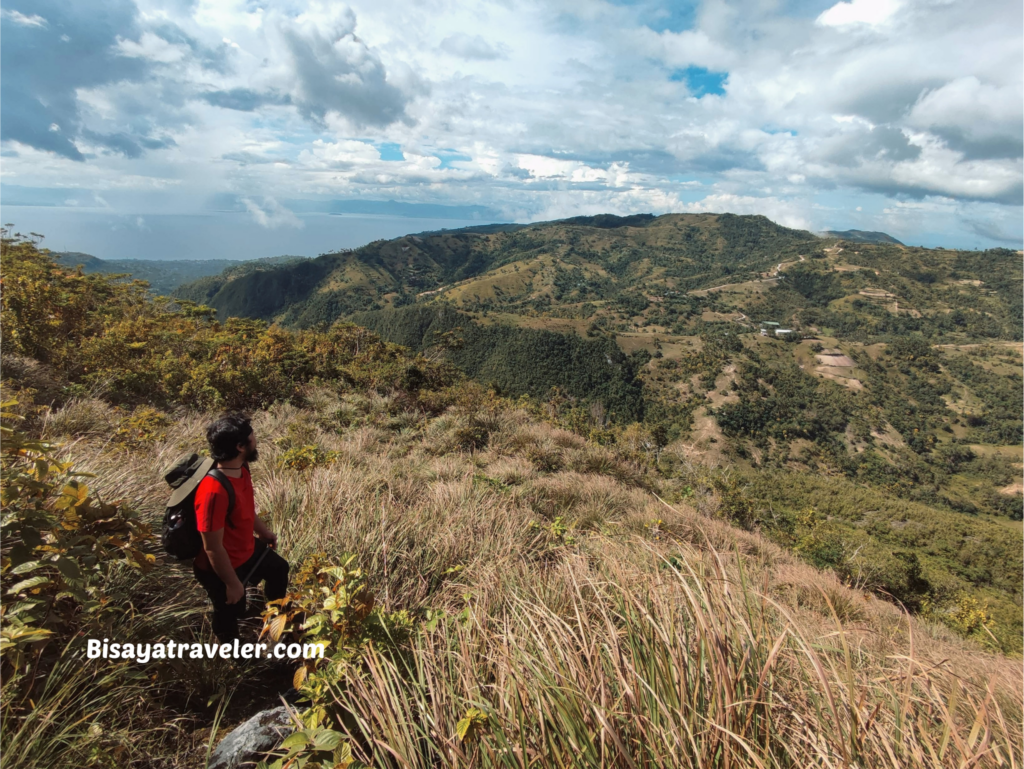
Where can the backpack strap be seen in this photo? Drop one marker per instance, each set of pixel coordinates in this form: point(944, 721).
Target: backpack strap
point(226, 483)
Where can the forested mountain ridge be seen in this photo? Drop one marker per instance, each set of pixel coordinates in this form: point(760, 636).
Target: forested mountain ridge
point(643, 270)
point(615, 254)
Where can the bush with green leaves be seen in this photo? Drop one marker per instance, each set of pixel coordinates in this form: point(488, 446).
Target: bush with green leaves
point(304, 458)
point(60, 546)
point(330, 603)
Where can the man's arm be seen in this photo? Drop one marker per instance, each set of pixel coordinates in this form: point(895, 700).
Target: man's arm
point(213, 544)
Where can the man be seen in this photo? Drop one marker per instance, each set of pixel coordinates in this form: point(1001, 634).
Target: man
point(230, 552)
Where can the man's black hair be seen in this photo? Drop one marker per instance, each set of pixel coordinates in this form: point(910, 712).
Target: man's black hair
point(226, 433)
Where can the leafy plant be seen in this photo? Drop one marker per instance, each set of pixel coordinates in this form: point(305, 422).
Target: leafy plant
point(558, 532)
point(60, 543)
point(142, 426)
point(316, 748)
point(330, 603)
point(472, 725)
point(303, 458)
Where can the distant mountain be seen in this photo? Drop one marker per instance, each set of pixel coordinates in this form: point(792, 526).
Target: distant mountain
point(863, 236)
point(163, 276)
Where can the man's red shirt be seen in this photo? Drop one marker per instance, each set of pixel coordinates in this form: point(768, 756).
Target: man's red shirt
point(211, 515)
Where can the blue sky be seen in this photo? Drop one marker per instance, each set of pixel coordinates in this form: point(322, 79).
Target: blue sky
point(896, 115)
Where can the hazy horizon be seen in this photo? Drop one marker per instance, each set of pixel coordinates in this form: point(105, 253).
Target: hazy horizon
point(213, 235)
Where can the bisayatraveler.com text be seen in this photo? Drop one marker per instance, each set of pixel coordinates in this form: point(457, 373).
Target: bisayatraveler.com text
point(169, 650)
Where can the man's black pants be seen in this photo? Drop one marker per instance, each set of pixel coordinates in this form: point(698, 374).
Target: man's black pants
point(272, 571)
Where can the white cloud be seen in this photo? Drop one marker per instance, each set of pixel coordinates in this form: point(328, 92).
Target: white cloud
point(270, 214)
point(327, 68)
point(151, 47)
point(981, 113)
point(544, 110)
point(342, 154)
point(788, 213)
point(541, 167)
point(23, 20)
point(859, 12)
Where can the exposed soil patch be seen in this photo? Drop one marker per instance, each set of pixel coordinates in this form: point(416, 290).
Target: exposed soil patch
point(833, 359)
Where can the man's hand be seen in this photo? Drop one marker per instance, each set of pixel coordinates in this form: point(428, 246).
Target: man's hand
point(236, 591)
point(213, 544)
point(264, 533)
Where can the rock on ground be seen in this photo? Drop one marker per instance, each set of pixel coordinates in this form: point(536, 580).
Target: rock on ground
point(248, 742)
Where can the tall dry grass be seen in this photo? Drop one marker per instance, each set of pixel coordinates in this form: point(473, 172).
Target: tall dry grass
point(688, 667)
point(635, 634)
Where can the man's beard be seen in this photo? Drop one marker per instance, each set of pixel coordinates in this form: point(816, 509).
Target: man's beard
point(251, 457)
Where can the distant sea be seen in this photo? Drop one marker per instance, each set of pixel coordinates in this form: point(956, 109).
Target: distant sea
point(216, 235)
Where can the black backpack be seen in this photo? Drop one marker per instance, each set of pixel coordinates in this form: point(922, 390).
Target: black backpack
point(181, 538)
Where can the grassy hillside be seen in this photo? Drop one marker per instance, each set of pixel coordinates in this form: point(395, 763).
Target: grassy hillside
point(508, 585)
point(900, 382)
point(903, 369)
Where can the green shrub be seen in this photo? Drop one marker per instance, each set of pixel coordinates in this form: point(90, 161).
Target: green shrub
point(60, 545)
point(303, 458)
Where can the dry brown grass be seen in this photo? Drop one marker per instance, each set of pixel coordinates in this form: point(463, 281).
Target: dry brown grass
point(686, 643)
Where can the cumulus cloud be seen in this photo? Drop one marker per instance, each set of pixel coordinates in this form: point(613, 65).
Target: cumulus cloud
point(536, 110)
point(981, 120)
point(858, 12)
point(151, 47)
point(331, 70)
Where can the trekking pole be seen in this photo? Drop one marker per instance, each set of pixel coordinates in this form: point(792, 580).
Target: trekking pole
point(255, 566)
